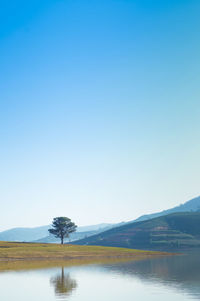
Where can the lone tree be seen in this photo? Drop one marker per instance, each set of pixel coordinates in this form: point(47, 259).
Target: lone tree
point(62, 227)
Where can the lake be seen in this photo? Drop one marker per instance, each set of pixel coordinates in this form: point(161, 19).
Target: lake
point(169, 278)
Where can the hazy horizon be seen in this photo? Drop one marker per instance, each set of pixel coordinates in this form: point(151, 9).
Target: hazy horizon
point(99, 109)
point(100, 222)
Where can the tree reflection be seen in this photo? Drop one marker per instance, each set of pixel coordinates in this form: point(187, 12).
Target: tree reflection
point(63, 284)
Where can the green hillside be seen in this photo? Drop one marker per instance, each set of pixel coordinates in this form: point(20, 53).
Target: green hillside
point(175, 231)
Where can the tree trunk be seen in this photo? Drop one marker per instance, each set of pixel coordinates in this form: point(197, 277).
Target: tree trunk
point(61, 240)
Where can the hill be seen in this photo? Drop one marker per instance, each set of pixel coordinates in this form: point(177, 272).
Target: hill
point(170, 232)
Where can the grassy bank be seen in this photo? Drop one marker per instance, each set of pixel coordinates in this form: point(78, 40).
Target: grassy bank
point(10, 251)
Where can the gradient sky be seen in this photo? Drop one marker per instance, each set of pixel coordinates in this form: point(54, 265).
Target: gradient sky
point(99, 109)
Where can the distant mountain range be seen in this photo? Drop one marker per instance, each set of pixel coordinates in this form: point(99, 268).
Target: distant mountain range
point(190, 206)
point(24, 234)
point(82, 232)
point(87, 233)
point(41, 234)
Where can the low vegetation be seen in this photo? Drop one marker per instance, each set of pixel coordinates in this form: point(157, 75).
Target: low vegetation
point(11, 251)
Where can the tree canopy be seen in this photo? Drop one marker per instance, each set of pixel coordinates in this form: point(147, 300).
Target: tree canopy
point(62, 227)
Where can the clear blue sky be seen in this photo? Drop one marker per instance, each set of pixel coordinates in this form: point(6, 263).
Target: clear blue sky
point(99, 109)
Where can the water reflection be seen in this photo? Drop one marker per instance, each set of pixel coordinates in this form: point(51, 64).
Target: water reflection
point(167, 278)
point(63, 284)
point(181, 272)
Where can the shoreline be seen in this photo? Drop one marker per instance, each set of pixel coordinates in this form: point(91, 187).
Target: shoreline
point(89, 257)
point(23, 252)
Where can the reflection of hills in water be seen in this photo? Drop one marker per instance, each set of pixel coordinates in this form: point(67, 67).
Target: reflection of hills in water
point(63, 284)
point(181, 271)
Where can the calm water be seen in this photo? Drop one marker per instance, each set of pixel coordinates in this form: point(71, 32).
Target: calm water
point(170, 278)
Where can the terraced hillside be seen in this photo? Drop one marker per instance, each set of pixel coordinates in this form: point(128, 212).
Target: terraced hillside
point(175, 231)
